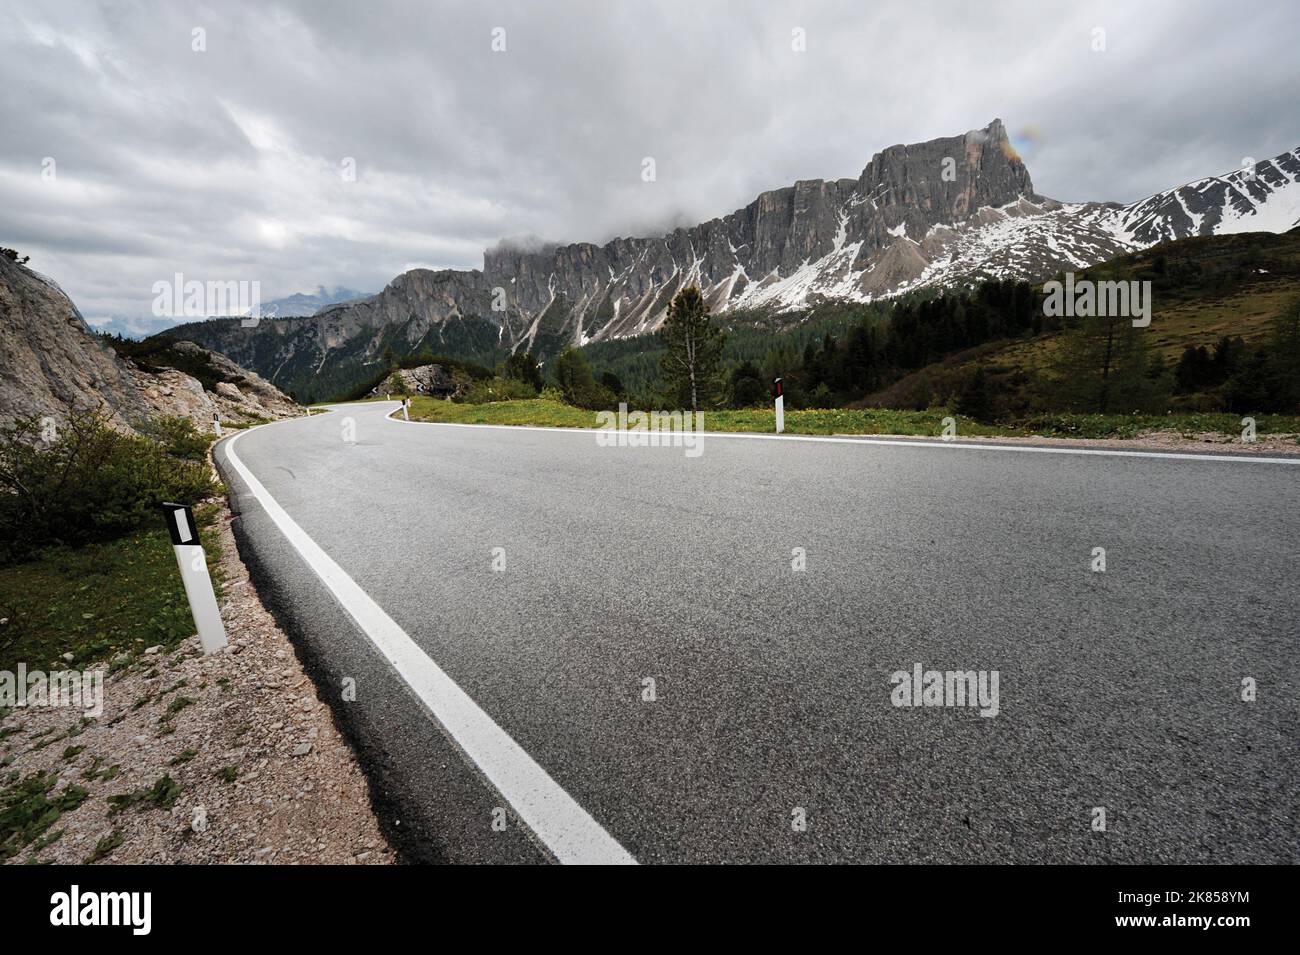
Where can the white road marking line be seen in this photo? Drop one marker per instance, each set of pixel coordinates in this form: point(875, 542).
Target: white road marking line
point(564, 827)
point(831, 439)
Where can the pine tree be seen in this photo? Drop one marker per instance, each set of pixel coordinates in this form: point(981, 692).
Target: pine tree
point(746, 388)
point(692, 361)
point(1102, 366)
point(1284, 359)
point(522, 366)
point(975, 401)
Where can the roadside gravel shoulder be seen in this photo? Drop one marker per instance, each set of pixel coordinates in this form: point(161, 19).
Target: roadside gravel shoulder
point(228, 758)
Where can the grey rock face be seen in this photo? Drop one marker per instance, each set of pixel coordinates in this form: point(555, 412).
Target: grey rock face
point(940, 213)
point(831, 230)
point(51, 364)
point(50, 360)
point(432, 380)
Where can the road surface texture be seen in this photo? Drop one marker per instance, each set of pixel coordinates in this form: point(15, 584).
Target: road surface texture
point(772, 735)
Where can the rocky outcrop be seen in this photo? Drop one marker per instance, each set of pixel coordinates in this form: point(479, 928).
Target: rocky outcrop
point(173, 393)
point(52, 364)
point(432, 380)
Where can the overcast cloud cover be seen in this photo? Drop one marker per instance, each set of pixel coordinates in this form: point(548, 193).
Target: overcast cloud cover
point(226, 164)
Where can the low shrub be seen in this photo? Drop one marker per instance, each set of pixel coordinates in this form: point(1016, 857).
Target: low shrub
point(180, 438)
point(496, 389)
point(89, 482)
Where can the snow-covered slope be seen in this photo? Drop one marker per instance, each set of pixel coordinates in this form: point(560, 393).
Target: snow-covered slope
point(1032, 238)
point(1264, 197)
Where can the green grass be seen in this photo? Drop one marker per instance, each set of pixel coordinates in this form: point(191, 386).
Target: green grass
point(1136, 425)
point(161, 795)
point(540, 412)
point(99, 600)
point(29, 807)
point(184, 756)
point(105, 846)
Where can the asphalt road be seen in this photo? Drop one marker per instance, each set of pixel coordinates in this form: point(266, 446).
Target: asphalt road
point(773, 695)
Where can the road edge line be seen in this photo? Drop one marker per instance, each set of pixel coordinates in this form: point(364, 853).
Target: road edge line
point(557, 820)
point(895, 442)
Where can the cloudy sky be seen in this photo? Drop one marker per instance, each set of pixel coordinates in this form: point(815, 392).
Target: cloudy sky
point(232, 161)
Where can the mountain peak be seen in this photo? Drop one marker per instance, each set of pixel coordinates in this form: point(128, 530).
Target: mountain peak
point(946, 212)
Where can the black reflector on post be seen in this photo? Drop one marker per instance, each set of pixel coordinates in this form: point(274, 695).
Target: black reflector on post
point(194, 575)
point(180, 523)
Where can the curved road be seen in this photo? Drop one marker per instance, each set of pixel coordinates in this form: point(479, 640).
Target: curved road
point(505, 713)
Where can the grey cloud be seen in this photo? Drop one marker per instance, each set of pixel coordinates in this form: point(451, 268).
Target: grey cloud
point(227, 163)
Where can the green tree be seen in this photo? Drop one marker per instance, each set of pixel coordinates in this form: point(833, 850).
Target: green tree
point(1283, 365)
point(612, 382)
point(692, 360)
point(746, 389)
point(975, 401)
point(1247, 389)
point(522, 366)
point(1102, 365)
point(574, 378)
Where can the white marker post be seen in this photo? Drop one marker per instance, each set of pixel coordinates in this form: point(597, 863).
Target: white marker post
point(216, 423)
point(779, 393)
point(406, 403)
point(194, 574)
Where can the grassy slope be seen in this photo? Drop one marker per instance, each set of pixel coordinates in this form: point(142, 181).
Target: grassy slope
point(98, 601)
point(1234, 285)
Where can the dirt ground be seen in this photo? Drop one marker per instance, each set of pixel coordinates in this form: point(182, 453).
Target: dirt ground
point(227, 758)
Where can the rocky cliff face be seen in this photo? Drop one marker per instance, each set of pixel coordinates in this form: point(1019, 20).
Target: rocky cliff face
point(789, 247)
point(50, 361)
point(51, 364)
point(940, 213)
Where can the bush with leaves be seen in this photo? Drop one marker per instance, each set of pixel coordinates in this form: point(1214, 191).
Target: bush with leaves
point(180, 438)
point(522, 366)
point(576, 381)
point(397, 384)
point(89, 483)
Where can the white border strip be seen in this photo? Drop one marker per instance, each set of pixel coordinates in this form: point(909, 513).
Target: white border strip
point(867, 439)
point(564, 827)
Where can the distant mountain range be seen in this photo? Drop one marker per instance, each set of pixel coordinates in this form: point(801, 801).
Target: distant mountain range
point(298, 305)
point(943, 213)
point(301, 304)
